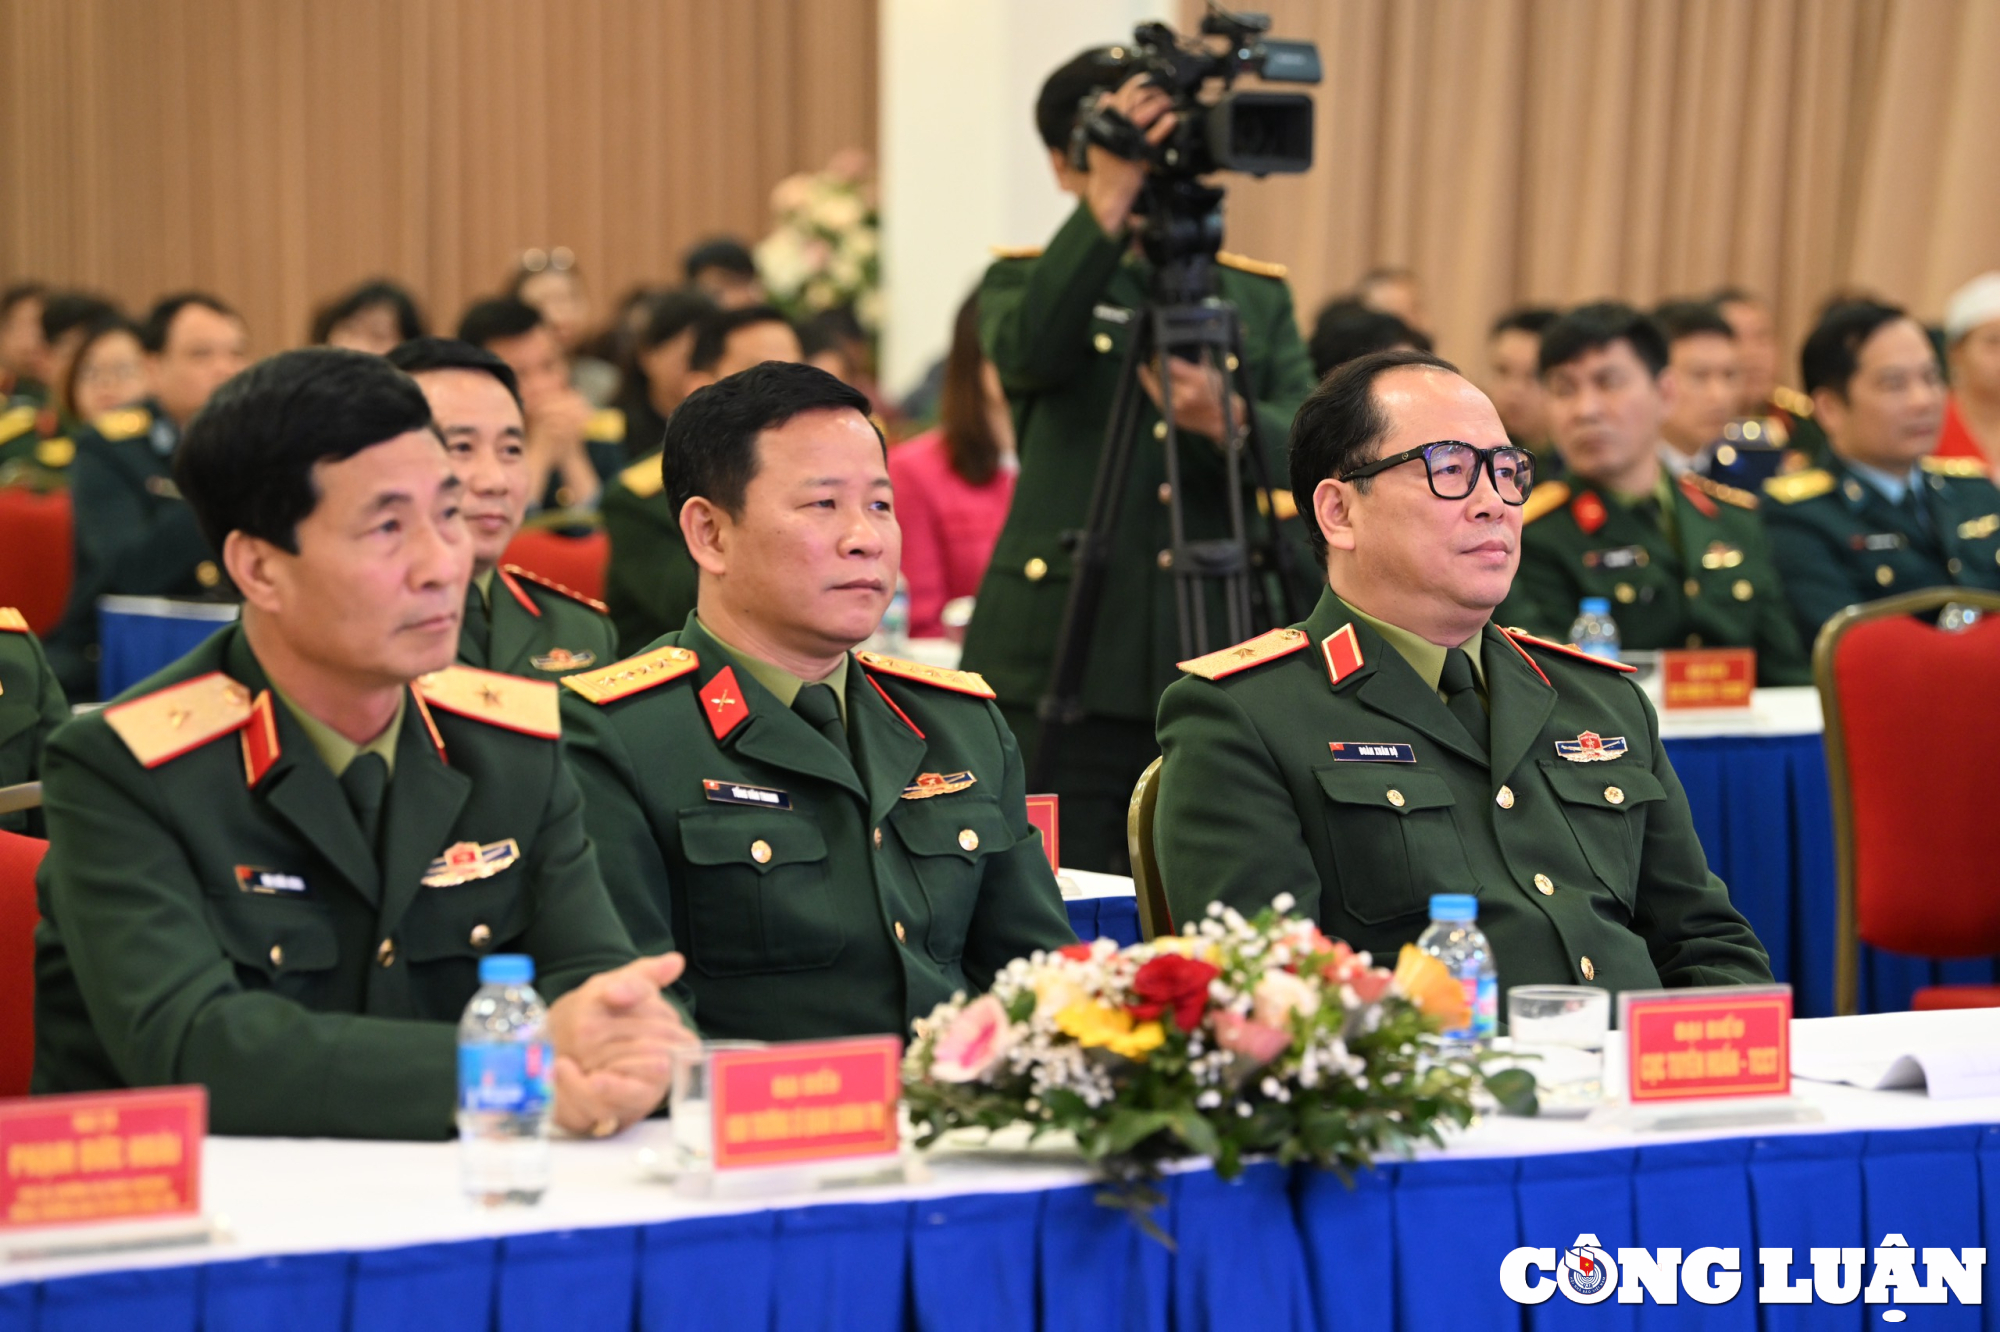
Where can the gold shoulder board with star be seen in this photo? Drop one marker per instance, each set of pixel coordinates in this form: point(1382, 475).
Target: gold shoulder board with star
point(644, 478)
point(552, 585)
point(16, 422)
point(59, 452)
point(182, 717)
point(605, 426)
point(527, 706)
point(1797, 487)
point(1791, 400)
point(622, 679)
point(125, 423)
point(1544, 499)
point(1017, 251)
point(964, 682)
point(1565, 649)
point(1245, 264)
point(1254, 652)
point(1742, 499)
point(12, 621)
point(1955, 466)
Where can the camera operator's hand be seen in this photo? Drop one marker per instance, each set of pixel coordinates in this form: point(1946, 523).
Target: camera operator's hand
point(1114, 182)
point(1197, 397)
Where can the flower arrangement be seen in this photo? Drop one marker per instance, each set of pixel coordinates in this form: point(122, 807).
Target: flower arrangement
point(1236, 1037)
point(824, 250)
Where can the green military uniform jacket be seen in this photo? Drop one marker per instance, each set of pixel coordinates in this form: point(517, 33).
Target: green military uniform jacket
point(1056, 326)
point(31, 452)
point(211, 912)
point(31, 706)
point(651, 581)
point(1840, 542)
point(135, 535)
point(811, 895)
point(1712, 584)
point(537, 628)
point(1586, 872)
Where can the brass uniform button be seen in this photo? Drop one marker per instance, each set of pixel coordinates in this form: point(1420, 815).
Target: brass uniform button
point(1159, 430)
point(1692, 587)
point(1102, 342)
point(1589, 969)
point(1742, 590)
point(1884, 575)
point(1954, 566)
point(1035, 570)
point(1230, 362)
point(207, 574)
point(968, 840)
point(277, 955)
point(1166, 492)
point(1852, 490)
point(1614, 795)
point(901, 934)
point(878, 837)
point(1396, 797)
point(1505, 797)
point(1626, 594)
point(1544, 885)
point(1165, 559)
point(760, 851)
point(481, 935)
point(386, 954)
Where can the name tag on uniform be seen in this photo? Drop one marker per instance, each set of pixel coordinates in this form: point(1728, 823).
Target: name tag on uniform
point(735, 793)
point(269, 883)
point(1618, 557)
point(1112, 314)
point(1878, 541)
point(1349, 751)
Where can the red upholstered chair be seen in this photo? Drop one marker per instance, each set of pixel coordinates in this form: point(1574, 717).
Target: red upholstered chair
point(36, 557)
point(1912, 728)
point(19, 857)
point(577, 562)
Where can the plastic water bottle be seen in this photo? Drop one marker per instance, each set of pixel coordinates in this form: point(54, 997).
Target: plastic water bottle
point(1595, 631)
point(1455, 940)
point(506, 1076)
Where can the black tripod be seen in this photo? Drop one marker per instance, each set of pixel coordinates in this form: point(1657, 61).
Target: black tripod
point(1185, 318)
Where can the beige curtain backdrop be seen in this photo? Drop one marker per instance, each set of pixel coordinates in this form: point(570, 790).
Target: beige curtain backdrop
point(275, 151)
point(1561, 150)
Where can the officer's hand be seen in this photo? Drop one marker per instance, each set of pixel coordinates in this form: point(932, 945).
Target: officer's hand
point(1114, 182)
point(619, 1035)
point(599, 1104)
point(1197, 397)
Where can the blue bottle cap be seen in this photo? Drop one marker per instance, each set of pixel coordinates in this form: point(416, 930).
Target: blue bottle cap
point(1454, 906)
point(506, 969)
point(1596, 605)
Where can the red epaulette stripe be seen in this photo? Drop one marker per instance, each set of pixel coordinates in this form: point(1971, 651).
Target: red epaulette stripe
point(423, 710)
point(527, 602)
point(1523, 654)
point(1517, 637)
point(892, 704)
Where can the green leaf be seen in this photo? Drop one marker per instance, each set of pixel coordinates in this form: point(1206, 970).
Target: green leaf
point(1192, 1128)
point(1022, 1007)
point(1128, 1128)
point(1514, 1088)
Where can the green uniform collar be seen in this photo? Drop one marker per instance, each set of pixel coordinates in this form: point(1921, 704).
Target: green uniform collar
point(1425, 657)
point(336, 749)
point(782, 684)
point(484, 582)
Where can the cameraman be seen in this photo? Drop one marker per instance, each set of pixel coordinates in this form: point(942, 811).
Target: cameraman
point(1055, 323)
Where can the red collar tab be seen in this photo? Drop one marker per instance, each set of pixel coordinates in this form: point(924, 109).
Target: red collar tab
point(722, 702)
point(260, 740)
point(1342, 651)
point(1588, 511)
point(527, 604)
point(1697, 497)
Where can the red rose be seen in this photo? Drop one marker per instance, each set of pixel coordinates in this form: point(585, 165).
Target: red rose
point(1076, 952)
point(1172, 981)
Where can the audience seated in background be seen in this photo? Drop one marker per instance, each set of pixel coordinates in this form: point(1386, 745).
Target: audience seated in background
point(659, 375)
point(32, 705)
point(22, 346)
point(1394, 290)
point(1701, 358)
point(954, 482)
point(373, 317)
point(1972, 344)
point(723, 270)
point(550, 281)
point(572, 448)
point(1514, 351)
point(109, 370)
point(1782, 412)
point(1346, 329)
point(67, 318)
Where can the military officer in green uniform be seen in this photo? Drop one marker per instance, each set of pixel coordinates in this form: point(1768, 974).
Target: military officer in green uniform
point(516, 621)
point(1773, 415)
point(836, 841)
point(135, 535)
point(1682, 559)
point(274, 867)
point(31, 707)
point(29, 457)
point(1398, 744)
point(649, 584)
point(1055, 323)
point(1883, 516)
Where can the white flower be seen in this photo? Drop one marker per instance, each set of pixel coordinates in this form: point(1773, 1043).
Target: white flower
point(1283, 903)
point(1278, 995)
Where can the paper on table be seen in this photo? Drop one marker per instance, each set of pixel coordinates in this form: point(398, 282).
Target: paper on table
point(1950, 1054)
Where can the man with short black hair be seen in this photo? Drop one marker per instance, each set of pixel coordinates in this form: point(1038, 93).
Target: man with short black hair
point(1397, 744)
point(1783, 413)
point(649, 583)
point(837, 840)
point(1701, 357)
point(573, 449)
point(1883, 515)
point(1514, 350)
point(1682, 560)
point(723, 269)
point(661, 353)
point(534, 627)
point(273, 868)
point(23, 349)
point(135, 536)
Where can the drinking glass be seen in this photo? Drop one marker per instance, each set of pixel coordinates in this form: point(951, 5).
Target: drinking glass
point(1559, 1030)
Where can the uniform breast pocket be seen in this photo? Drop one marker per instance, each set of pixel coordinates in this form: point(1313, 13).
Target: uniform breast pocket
point(1393, 838)
point(466, 920)
point(284, 944)
point(757, 892)
point(949, 840)
point(1605, 807)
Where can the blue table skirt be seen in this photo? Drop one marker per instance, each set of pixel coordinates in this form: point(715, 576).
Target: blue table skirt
point(1411, 1246)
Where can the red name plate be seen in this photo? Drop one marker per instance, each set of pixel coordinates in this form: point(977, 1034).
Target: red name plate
point(806, 1101)
point(1043, 813)
point(106, 1156)
point(1708, 677)
point(1716, 1040)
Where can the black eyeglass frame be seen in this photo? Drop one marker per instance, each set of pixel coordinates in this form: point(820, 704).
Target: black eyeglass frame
point(1485, 463)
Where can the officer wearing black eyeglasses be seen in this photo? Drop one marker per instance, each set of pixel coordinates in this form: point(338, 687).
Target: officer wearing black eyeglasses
point(1398, 744)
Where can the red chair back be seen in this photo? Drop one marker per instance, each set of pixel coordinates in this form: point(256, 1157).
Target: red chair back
point(577, 562)
point(19, 858)
point(1912, 727)
point(36, 554)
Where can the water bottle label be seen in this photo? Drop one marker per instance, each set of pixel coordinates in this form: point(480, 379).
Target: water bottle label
point(510, 1077)
point(1485, 999)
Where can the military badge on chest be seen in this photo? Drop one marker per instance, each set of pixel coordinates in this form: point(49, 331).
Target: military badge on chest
point(562, 659)
point(463, 862)
point(1590, 747)
point(930, 784)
